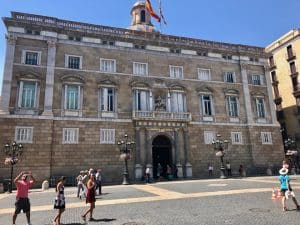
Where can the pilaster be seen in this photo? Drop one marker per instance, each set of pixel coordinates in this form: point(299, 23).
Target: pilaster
point(270, 95)
point(7, 73)
point(50, 78)
point(247, 97)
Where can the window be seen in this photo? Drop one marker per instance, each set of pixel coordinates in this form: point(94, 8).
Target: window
point(107, 136)
point(143, 16)
point(271, 61)
point(27, 96)
point(209, 136)
point(108, 65)
point(293, 68)
point(70, 135)
point(31, 57)
point(236, 138)
point(73, 62)
point(142, 100)
point(290, 53)
point(257, 79)
point(178, 51)
point(260, 107)
point(107, 95)
point(177, 102)
point(176, 72)
point(73, 38)
point(23, 134)
point(273, 75)
point(228, 57)
point(266, 138)
point(229, 77)
point(140, 68)
point(203, 74)
point(72, 97)
point(232, 106)
point(206, 103)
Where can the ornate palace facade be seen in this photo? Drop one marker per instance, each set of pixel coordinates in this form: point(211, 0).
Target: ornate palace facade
point(71, 90)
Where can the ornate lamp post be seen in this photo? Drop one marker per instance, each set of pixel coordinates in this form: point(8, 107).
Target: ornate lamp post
point(125, 147)
point(13, 151)
point(220, 146)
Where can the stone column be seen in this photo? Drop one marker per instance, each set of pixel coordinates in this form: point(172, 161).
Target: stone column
point(149, 153)
point(188, 166)
point(177, 153)
point(138, 166)
point(247, 97)
point(8, 73)
point(50, 78)
point(270, 95)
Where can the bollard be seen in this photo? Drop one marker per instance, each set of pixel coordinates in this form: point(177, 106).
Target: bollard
point(45, 185)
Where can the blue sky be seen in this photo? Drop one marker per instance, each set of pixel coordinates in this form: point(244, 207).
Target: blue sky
point(250, 22)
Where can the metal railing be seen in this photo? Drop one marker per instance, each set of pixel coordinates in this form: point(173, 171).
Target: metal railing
point(158, 115)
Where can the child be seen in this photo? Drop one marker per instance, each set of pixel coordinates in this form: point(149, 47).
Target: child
point(286, 189)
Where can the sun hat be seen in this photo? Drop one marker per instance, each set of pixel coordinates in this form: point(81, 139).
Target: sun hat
point(283, 171)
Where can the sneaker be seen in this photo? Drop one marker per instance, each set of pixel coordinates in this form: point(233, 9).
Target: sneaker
point(91, 219)
point(83, 218)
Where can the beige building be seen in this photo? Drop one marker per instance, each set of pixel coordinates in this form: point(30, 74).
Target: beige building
point(284, 62)
point(72, 90)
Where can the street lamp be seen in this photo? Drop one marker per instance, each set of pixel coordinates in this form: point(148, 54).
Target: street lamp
point(125, 147)
point(220, 146)
point(13, 151)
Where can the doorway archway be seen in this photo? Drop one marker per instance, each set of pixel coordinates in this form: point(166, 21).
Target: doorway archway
point(161, 155)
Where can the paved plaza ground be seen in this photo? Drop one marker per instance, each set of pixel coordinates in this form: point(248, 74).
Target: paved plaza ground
point(244, 201)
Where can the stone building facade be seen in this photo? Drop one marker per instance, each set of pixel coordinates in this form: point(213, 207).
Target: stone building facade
point(284, 63)
point(71, 90)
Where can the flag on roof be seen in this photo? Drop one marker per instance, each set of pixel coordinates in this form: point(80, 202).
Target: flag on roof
point(151, 11)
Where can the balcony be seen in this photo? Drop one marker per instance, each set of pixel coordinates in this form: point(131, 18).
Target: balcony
point(290, 56)
point(159, 115)
point(278, 100)
point(272, 66)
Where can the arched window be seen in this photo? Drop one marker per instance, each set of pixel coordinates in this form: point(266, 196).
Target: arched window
point(143, 16)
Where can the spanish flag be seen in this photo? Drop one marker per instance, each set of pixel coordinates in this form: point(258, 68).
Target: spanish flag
point(151, 11)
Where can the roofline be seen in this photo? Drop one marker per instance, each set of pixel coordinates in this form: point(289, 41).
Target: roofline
point(86, 27)
point(290, 35)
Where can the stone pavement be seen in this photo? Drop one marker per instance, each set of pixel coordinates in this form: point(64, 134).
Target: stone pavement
point(207, 202)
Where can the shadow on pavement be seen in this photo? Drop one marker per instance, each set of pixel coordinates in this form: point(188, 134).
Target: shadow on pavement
point(104, 220)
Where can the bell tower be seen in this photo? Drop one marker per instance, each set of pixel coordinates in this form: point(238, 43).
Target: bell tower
point(140, 18)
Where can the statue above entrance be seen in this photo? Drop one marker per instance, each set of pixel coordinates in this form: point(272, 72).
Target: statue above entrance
point(160, 104)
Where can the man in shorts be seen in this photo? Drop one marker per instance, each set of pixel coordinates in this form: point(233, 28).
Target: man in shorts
point(22, 200)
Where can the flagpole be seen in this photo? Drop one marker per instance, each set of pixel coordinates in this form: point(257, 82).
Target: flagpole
point(160, 27)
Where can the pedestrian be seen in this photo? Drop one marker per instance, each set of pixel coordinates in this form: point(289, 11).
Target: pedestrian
point(210, 170)
point(159, 171)
point(147, 175)
point(80, 188)
point(285, 164)
point(22, 200)
point(99, 181)
point(59, 202)
point(175, 171)
point(169, 172)
point(241, 170)
point(90, 198)
point(228, 168)
point(286, 189)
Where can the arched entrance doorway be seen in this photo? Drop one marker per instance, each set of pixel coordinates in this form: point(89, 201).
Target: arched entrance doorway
point(161, 154)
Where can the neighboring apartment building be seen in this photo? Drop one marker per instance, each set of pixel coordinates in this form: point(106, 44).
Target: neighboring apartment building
point(71, 90)
point(284, 69)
